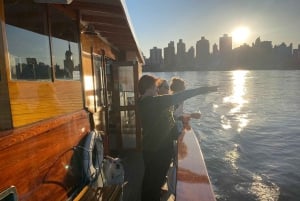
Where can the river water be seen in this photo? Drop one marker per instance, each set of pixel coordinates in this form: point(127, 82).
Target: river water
point(249, 132)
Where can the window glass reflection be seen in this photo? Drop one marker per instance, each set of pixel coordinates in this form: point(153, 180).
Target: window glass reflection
point(99, 79)
point(109, 80)
point(65, 44)
point(28, 41)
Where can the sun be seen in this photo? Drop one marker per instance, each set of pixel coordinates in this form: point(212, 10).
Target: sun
point(240, 34)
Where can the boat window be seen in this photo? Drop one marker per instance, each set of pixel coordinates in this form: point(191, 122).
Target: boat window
point(65, 45)
point(109, 80)
point(28, 41)
point(126, 86)
point(99, 79)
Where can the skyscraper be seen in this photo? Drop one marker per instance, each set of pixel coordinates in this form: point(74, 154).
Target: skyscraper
point(156, 57)
point(202, 52)
point(169, 56)
point(180, 61)
point(225, 45)
point(190, 58)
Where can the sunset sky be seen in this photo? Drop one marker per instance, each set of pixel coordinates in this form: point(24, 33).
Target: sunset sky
point(157, 22)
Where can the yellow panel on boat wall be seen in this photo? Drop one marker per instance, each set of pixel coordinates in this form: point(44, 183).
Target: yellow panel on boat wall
point(34, 101)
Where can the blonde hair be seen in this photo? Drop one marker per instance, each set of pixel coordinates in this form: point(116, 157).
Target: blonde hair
point(160, 82)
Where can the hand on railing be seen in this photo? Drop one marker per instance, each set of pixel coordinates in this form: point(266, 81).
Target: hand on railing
point(186, 118)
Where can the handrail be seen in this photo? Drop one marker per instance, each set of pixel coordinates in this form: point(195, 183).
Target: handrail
point(193, 182)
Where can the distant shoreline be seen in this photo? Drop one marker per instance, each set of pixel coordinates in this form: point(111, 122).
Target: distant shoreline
point(222, 69)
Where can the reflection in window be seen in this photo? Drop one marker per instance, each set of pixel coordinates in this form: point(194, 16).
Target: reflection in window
point(109, 80)
point(65, 46)
point(28, 42)
point(126, 85)
point(99, 79)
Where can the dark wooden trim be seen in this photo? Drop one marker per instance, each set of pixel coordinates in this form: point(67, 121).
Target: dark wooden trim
point(15, 136)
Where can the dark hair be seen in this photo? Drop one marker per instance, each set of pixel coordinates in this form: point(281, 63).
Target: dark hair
point(146, 82)
point(177, 84)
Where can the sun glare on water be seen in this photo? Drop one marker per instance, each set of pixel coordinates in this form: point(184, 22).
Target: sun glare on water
point(240, 35)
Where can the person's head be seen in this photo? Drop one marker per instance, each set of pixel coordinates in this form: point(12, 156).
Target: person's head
point(147, 84)
point(177, 85)
point(162, 86)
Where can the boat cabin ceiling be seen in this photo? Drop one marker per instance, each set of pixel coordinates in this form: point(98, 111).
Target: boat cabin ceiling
point(108, 19)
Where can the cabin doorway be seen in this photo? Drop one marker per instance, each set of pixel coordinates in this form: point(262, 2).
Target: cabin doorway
point(125, 132)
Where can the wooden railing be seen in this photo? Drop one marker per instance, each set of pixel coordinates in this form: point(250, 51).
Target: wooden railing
point(193, 182)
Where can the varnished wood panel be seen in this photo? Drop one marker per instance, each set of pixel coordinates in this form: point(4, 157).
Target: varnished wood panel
point(36, 158)
point(32, 101)
point(98, 45)
point(88, 81)
point(193, 183)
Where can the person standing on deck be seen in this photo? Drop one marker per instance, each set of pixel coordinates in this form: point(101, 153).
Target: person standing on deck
point(157, 137)
point(162, 86)
point(177, 84)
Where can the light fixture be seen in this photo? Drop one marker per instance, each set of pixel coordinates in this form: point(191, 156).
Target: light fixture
point(89, 30)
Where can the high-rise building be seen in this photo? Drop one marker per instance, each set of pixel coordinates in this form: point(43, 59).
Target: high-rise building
point(169, 56)
point(202, 52)
point(180, 57)
point(225, 51)
point(283, 54)
point(190, 58)
point(215, 50)
point(156, 57)
point(225, 44)
point(263, 52)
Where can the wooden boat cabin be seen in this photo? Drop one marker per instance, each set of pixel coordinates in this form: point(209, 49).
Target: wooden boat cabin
point(68, 74)
point(67, 68)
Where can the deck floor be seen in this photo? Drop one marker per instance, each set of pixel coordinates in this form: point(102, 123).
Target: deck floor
point(134, 171)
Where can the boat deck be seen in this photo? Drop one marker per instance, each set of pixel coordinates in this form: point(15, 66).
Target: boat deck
point(134, 170)
point(192, 182)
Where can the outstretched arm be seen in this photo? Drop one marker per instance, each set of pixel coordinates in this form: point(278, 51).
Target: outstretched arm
point(188, 93)
point(164, 101)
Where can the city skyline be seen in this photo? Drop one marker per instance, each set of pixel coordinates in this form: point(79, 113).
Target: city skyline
point(158, 22)
point(260, 54)
point(295, 46)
